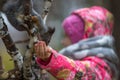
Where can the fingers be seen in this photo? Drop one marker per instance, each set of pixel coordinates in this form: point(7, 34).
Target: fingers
point(39, 49)
point(42, 51)
point(36, 49)
point(45, 51)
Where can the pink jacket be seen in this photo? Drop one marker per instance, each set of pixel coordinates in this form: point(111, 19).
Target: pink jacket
point(63, 68)
point(88, 68)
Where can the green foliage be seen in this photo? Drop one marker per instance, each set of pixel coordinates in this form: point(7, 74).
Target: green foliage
point(7, 62)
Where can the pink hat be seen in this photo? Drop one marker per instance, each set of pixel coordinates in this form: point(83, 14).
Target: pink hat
point(73, 26)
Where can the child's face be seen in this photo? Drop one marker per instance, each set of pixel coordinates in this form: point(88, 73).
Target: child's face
point(66, 41)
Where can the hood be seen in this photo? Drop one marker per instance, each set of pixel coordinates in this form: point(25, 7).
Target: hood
point(88, 22)
point(98, 21)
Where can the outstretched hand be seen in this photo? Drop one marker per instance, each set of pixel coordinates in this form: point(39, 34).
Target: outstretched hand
point(42, 51)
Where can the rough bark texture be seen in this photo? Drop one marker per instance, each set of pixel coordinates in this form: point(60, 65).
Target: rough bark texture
point(60, 10)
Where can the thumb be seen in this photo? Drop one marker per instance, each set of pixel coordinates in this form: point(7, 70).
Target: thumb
point(49, 50)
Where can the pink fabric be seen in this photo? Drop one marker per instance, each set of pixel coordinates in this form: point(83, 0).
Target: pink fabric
point(98, 21)
point(44, 62)
point(64, 68)
point(74, 28)
point(88, 22)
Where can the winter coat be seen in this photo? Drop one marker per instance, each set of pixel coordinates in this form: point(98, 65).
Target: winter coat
point(93, 57)
point(91, 64)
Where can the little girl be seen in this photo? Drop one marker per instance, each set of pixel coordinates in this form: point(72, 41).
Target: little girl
point(89, 52)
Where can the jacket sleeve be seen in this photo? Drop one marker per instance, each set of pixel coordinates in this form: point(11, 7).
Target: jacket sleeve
point(60, 66)
point(64, 68)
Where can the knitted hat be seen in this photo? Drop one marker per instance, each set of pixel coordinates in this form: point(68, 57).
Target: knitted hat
point(73, 26)
point(88, 22)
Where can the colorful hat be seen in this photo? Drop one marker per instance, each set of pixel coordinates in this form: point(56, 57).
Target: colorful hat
point(73, 26)
point(88, 22)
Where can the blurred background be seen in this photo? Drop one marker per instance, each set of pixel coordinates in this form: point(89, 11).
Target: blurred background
point(59, 10)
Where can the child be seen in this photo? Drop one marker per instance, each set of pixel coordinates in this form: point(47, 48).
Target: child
point(89, 52)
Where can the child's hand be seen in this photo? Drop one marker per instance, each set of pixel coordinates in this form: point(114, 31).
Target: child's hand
point(42, 51)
